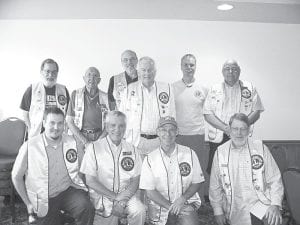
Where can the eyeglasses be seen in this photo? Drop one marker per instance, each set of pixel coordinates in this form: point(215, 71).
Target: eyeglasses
point(54, 72)
point(233, 69)
point(238, 129)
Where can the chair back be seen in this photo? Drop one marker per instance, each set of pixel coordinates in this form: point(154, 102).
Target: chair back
point(291, 180)
point(12, 136)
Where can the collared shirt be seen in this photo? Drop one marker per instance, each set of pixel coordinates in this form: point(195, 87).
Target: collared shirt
point(244, 194)
point(231, 104)
point(147, 180)
point(189, 101)
point(150, 116)
point(92, 115)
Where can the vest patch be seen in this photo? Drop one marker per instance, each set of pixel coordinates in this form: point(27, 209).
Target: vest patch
point(120, 87)
point(132, 93)
point(185, 169)
point(197, 94)
point(71, 155)
point(62, 99)
point(127, 163)
point(127, 153)
point(257, 162)
point(246, 93)
point(163, 97)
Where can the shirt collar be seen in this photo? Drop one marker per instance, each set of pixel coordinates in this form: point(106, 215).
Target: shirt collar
point(151, 88)
point(236, 85)
point(165, 155)
point(112, 144)
point(47, 142)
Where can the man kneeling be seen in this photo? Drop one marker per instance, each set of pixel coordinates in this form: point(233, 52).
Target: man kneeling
point(171, 176)
point(112, 168)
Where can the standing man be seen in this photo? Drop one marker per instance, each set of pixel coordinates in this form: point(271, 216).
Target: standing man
point(118, 83)
point(43, 95)
point(225, 99)
point(245, 183)
point(144, 104)
point(171, 176)
point(87, 108)
point(112, 169)
point(50, 163)
point(190, 95)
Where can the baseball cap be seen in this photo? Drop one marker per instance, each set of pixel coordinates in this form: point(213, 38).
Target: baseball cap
point(167, 120)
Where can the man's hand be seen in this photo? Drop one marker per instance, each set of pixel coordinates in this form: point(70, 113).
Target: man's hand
point(119, 209)
point(123, 196)
point(220, 219)
point(176, 207)
point(273, 215)
point(31, 213)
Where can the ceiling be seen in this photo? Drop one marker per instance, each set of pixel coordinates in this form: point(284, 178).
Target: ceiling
point(264, 11)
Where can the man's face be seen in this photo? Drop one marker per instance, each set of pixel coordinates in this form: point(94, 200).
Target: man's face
point(54, 126)
point(129, 62)
point(147, 73)
point(49, 74)
point(239, 132)
point(188, 66)
point(231, 72)
point(115, 128)
point(91, 79)
point(167, 134)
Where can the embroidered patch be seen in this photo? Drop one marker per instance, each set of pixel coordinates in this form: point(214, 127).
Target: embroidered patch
point(62, 100)
point(127, 153)
point(132, 93)
point(120, 87)
point(71, 155)
point(127, 163)
point(197, 94)
point(163, 97)
point(246, 93)
point(103, 108)
point(185, 169)
point(257, 162)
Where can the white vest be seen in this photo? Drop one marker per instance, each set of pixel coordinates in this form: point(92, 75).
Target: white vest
point(37, 106)
point(218, 99)
point(159, 215)
point(132, 105)
point(79, 106)
point(120, 87)
point(36, 179)
point(256, 151)
point(105, 166)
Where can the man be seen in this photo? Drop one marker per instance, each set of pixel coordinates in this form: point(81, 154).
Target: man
point(171, 176)
point(144, 104)
point(43, 95)
point(118, 83)
point(112, 169)
point(225, 99)
point(50, 163)
point(87, 108)
point(189, 100)
point(245, 183)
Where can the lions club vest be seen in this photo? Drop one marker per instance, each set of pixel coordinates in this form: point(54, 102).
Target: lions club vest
point(218, 98)
point(38, 102)
point(105, 166)
point(120, 87)
point(158, 215)
point(37, 189)
point(256, 151)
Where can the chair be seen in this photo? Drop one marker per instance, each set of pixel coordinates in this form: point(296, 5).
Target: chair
point(291, 180)
point(12, 136)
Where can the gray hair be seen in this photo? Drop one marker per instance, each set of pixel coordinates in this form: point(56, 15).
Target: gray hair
point(129, 51)
point(49, 61)
point(149, 60)
point(188, 56)
point(240, 117)
point(113, 113)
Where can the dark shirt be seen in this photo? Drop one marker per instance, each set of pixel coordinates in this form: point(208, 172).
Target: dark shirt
point(50, 98)
point(92, 115)
point(111, 98)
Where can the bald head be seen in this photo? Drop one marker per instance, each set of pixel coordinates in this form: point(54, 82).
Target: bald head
point(91, 78)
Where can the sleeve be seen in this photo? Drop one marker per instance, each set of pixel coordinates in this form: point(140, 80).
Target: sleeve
point(89, 163)
point(273, 178)
point(257, 103)
point(71, 105)
point(111, 98)
point(172, 102)
point(208, 109)
point(138, 164)
point(26, 100)
point(147, 178)
point(20, 165)
point(215, 188)
point(197, 174)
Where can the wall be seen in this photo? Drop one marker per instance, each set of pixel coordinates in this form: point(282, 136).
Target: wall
point(268, 55)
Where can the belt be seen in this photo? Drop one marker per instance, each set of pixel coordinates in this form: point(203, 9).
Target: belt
point(149, 136)
point(91, 131)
